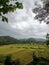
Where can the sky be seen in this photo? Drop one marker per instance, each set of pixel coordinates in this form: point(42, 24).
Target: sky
point(22, 23)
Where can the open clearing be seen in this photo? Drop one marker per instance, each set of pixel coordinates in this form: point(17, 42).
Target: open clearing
point(23, 52)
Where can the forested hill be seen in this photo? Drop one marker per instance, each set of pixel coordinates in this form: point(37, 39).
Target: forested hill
point(5, 40)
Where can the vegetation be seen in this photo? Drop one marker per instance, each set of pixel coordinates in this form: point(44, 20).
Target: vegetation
point(7, 6)
point(36, 61)
point(6, 40)
point(47, 39)
point(8, 61)
point(39, 61)
point(23, 52)
point(42, 13)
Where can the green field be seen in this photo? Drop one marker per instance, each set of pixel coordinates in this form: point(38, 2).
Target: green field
point(23, 52)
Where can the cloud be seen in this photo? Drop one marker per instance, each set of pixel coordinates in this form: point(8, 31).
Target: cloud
point(22, 24)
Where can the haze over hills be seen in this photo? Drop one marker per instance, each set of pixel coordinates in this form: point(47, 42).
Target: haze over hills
point(35, 39)
point(5, 40)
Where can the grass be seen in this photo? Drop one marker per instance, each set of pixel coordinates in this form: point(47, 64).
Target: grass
point(23, 52)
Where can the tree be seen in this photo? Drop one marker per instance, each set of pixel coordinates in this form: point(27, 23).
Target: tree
point(42, 13)
point(7, 6)
point(47, 39)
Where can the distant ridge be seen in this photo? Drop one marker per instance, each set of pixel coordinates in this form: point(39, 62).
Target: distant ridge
point(6, 40)
point(37, 40)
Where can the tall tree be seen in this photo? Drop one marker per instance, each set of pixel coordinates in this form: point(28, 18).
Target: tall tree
point(47, 39)
point(7, 6)
point(42, 13)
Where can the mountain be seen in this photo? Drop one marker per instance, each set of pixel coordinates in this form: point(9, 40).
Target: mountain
point(5, 40)
point(33, 40)
point(40, 40)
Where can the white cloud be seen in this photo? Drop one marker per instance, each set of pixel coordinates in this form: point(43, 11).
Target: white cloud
point(22, 24)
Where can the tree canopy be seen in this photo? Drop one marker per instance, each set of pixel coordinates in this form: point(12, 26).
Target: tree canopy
point(7, 6)
point(42, 13)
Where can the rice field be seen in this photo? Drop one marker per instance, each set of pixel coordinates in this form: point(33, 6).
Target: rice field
point(23, 52)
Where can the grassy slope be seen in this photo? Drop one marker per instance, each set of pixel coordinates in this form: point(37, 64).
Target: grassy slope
point(24, 51)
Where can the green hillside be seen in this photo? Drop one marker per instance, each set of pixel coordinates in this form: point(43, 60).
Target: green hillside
point(6, 40)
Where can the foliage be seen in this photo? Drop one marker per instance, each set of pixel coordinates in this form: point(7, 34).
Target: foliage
point(7, 6)
point(39, 61)
point(42, 13)
point(8, 61)
point(6, 40)
point(36, 61)
point(17, 62)
point(23, 54)
point(47, 39)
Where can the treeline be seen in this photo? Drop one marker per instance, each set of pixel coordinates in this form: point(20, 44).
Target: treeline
point(6, 40)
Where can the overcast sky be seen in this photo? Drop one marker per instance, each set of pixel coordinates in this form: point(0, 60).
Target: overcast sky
point(22, 24)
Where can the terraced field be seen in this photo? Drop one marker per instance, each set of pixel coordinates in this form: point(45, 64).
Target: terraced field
point(23, 52)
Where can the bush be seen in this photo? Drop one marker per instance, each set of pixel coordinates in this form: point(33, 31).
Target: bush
point(39, 61)
point(8, 60)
